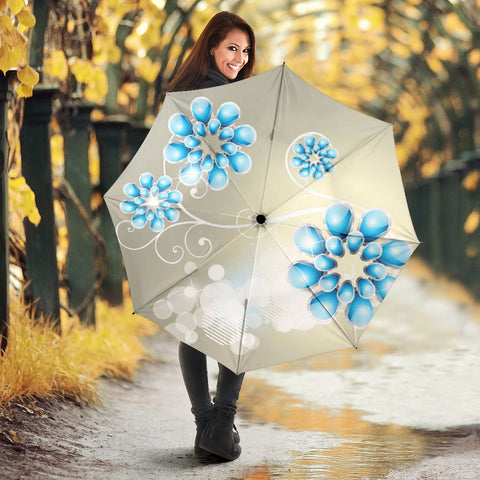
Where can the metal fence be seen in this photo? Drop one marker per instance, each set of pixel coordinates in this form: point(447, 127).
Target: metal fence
point(445, 210)
point(93, 265)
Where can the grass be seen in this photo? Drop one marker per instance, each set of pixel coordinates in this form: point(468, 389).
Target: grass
point(39, 363)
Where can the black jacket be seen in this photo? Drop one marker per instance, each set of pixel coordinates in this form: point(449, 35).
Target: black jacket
point(213, 79)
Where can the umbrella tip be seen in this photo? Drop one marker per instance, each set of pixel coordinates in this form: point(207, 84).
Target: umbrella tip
point(261, 219)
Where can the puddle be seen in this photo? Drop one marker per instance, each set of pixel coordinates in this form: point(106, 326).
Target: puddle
point(366, 450)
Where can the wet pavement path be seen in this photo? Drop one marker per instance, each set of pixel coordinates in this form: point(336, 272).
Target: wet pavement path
point(410, 392)
point(408, 395)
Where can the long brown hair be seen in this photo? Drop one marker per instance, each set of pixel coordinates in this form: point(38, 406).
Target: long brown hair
point(194, 69)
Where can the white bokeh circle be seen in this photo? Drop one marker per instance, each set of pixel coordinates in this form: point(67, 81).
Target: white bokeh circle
point(216, 272)
point(254, 319)
point(190, 292)
point(248, 342)
point(162, 309)
point(180, 302)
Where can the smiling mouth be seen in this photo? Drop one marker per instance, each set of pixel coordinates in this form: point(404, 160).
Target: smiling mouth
point(233, 67)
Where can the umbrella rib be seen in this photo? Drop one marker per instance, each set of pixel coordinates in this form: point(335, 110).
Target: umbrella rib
point(272, 135)
point(242, 331)
point(241, 194)
point(365, 142)
point(146, 302)
point(246, 300)
point(271, 146)
point(310, 289)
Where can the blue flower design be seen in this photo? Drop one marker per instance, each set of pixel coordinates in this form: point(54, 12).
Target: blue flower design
point(314, 156)
point(381, 259)
point(209, 144)
point(151, 202)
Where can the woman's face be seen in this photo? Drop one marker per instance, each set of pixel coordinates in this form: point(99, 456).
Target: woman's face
point(231, 54)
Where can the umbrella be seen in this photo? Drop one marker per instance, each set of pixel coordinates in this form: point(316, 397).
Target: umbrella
point(262, 221)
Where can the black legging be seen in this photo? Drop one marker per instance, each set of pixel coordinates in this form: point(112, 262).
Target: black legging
point(194, 370)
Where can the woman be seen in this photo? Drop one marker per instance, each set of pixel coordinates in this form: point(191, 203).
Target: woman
point(224, 53)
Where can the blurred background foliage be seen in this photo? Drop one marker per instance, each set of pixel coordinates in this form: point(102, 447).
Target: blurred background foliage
point(413, 63)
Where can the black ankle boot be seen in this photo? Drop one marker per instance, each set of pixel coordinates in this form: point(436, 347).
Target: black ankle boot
point(218, 437)
point(201, 422)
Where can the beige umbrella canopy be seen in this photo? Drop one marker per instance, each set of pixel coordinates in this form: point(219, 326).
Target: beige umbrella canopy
point(262, 221)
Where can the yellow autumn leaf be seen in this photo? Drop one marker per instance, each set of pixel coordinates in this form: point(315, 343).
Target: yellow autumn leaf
point(3, 4)
point(149, 119)
point(101, 27)
point(97, 87)
point(471, 181)
point(377, 18)
point(444, 50)
point(22, 199)
point(6, 21)
point(151, 38)
point(416, 41)
point(4, 60)
point(10, 57)
point(56, 65)
point(15, 39)
point(71, 26)
point(26, 18)
point(105, 49)
point(15, 5)
point(100, 81)
point(402, 154)
point(34, 216)
point(24, 90)
point(121, 9)
point(131, 89)
point(474, 56)
point(472, 222)
point(110, 24)
point(57, 151)
point(471, 250)
point(90, 93)
point(431, 167)
point(122, 98)
point(148, 70)
point(93, 161)
point(400, 50)
point(12, 49)
point(113, 53)
point(98, 47)
point(82, 70)
point(435, 64)
point(454, 26)
point(133, 43)
point(28, 75)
